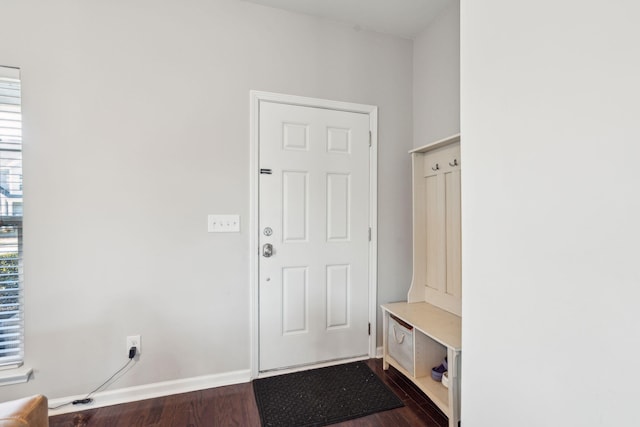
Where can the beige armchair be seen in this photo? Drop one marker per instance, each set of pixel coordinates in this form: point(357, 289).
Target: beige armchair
point(28, 412)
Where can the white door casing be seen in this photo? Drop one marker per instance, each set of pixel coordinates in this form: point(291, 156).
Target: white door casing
point(314, 298)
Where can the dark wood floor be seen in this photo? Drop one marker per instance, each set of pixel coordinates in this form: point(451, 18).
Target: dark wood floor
point(235, 406)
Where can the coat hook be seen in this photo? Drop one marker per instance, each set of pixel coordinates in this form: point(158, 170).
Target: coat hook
point(455, 162)
point(436, 167)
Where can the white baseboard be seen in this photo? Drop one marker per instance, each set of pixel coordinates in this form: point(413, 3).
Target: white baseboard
point(149, 391)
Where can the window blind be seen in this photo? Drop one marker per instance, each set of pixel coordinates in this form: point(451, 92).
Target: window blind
point(11, 301)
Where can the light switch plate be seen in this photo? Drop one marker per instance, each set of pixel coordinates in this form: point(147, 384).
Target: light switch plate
point(223, 223)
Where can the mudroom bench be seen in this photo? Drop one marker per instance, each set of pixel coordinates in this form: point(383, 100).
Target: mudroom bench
point(429, 334)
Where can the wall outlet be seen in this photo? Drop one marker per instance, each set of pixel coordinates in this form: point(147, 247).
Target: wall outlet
point(133, 341)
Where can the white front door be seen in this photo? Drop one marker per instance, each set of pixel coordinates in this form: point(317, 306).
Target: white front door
point(314, 235)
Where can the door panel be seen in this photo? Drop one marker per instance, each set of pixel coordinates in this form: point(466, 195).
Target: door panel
point(338, 203)
point(338, 287)
point(294, 299)
point(314, 289)
point(295, 202)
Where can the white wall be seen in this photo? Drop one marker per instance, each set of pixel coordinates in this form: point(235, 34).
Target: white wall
point(550, 213)
point(136, 120)
point(436, 78)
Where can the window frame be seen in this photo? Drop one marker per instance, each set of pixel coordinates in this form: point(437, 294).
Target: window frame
point(11, 222)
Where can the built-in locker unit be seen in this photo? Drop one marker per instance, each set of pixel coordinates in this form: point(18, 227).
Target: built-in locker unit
point(423, 332)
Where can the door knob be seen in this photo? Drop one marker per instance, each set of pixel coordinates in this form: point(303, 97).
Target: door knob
point(267, 250)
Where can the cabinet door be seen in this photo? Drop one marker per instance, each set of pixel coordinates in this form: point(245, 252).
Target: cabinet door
point(437, 219)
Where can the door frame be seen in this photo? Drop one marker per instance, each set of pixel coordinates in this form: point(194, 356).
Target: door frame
point(254, 249)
